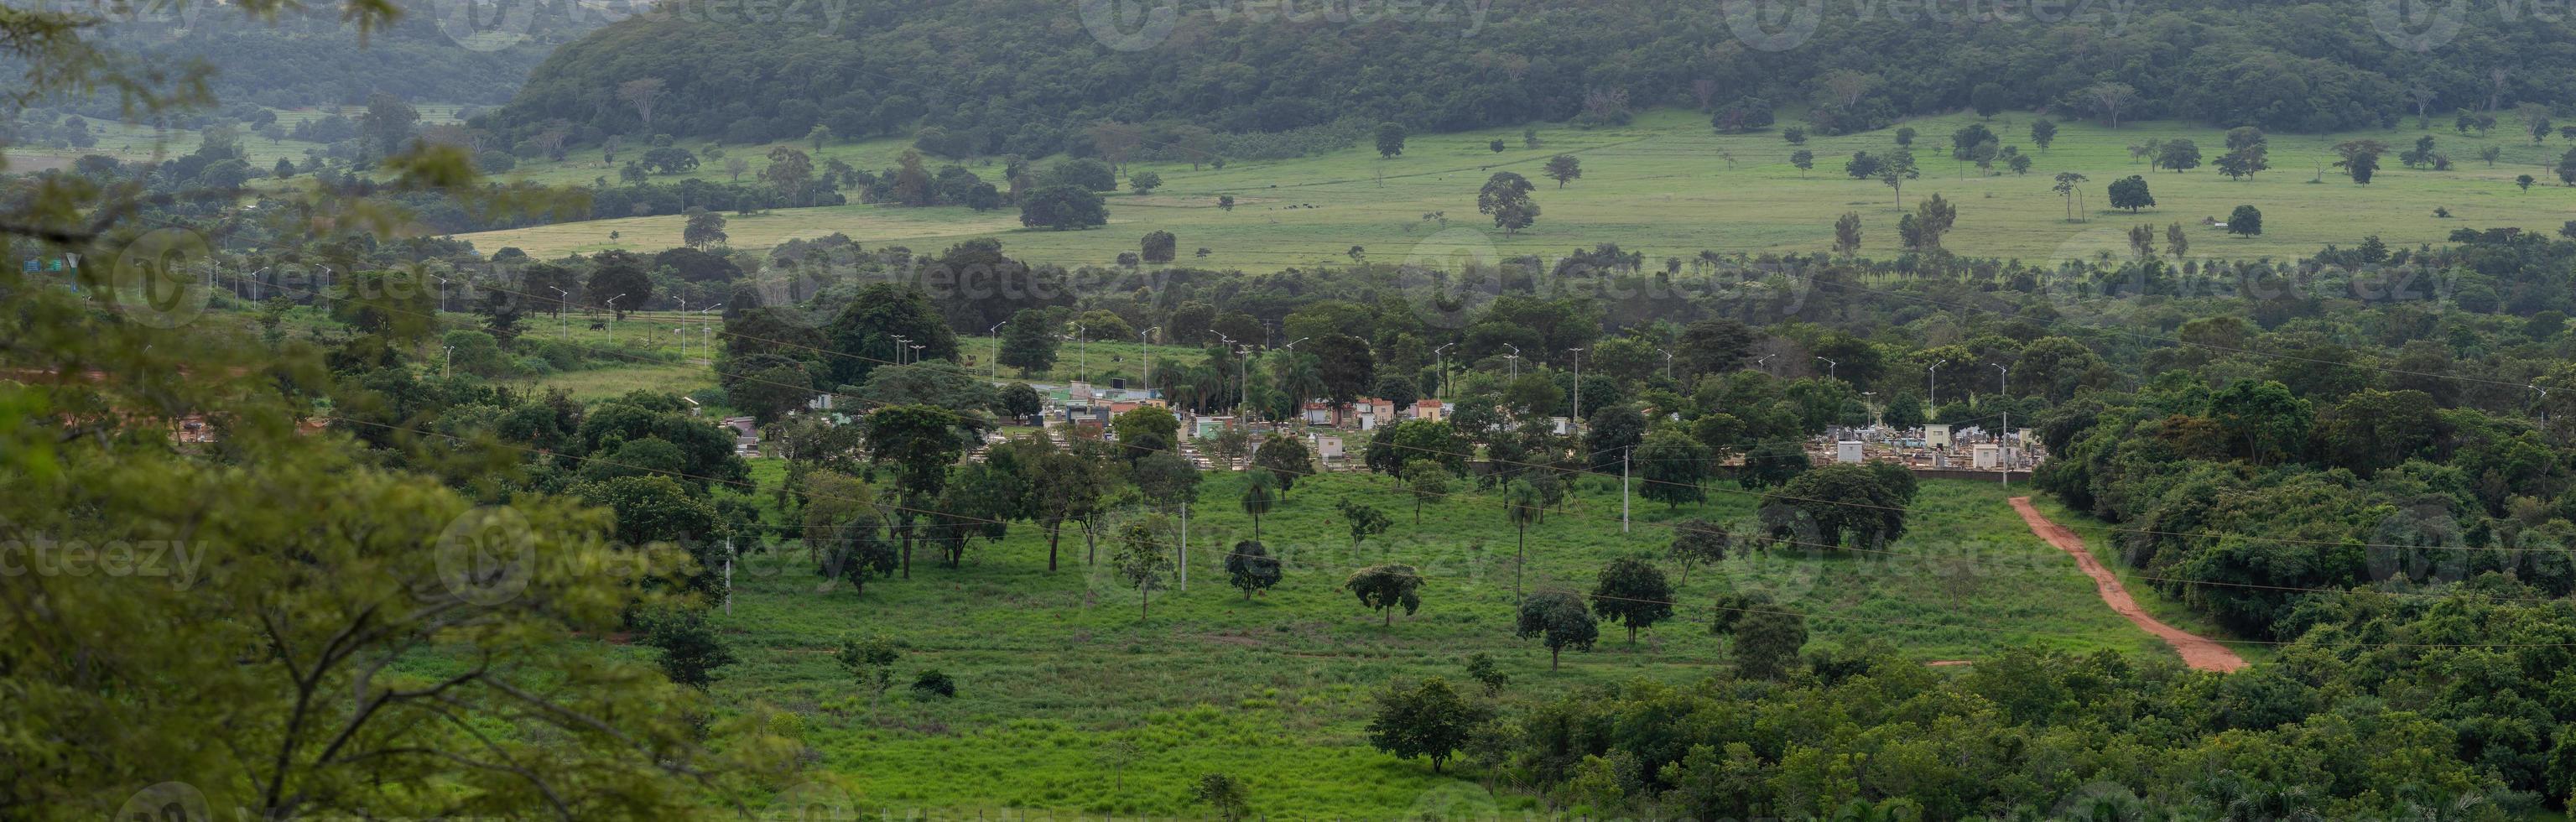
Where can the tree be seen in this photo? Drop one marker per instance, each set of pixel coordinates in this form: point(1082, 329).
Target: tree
point(1863, 165)
point(1386, 587)
point(285, 168)
point(1029, 341)
point(2066, 187)
point(920, 442)
point(1364, 521)
point(704, 228)
point(2042, 132)
point(1987, 99)
point(620, 277)
point(2360, 158)
point(1225, 202)
point(1144, 182)
point(1898, 169)
point(1390, 140)
point(1564, 168)
point(1257, 498)
point(1672, 465)
point(2108, 98)
point(686, 648)
point(1428, 720)
point(870, 660)
point(2523, 182)
point(1426, 480)
point(1521, 507)
point(1142, 559)
point(2131, 193)
point(1224, 795)
point(2567, 167)
point(1803, 160)
point(843, 530)
point(2245, 221)
point(1631, 591)
point(1767, 638)
point(1845, 498)
point(1696, 541)
point(1063, 207)
point(1250, 568)
point(1160, 247)
point(2179, 155)
point(1559, 621)
point(1847, 234)
point(1933, 218)
point(2244, 162)
point(1506, 196)
point(642, 93)
point(2018, 162)
point(2177, 243)
point(1284, 459)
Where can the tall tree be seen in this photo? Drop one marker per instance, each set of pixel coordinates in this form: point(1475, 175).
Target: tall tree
point(1387, 587)
point(1631, 591)
point(1506, 196)
point(1559, 621)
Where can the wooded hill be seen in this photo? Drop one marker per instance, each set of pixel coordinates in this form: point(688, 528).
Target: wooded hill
point(1029, 77)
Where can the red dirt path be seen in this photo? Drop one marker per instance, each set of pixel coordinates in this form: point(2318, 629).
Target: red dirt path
point(2198, 652)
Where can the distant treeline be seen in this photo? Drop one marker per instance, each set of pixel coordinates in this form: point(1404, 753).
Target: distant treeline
point(1028, 77)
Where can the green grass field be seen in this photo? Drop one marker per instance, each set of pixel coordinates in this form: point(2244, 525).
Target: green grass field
point(1667, 186)
point(1069, 702)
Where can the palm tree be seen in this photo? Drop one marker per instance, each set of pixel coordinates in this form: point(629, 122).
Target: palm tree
point(1520, 508)
point(1257, 498)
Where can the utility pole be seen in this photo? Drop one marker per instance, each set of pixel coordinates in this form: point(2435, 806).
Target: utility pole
point(1932, 391)
point(1145, 341)
point(996, 334)
point(1578, 388)
point(1440, 366)
point(899, 341)
point(1624, 453)
point(2003, 441)
point(1515, 357)
point(728, 576)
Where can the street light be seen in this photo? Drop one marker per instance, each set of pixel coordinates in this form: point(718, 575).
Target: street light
point(448, 368)
point(1145, 340)
point(996, 334)
point(1932, 385)
point(1292, 346)
point(563, 324)
point(1440, 366)
point(1515, 357)
point(1764, 363)
point(1830, 365)
point(1228, 342)
point(702, 319)
point(611, 325)
point(442, 292)
point(1578, 387)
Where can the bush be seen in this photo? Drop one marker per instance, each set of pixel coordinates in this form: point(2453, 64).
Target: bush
point(933, 683)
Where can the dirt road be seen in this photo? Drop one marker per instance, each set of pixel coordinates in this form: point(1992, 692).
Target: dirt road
point(2197, 652)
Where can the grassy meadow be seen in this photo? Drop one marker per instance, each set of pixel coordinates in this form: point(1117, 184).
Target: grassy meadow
point(1666, 185)
point(1070, 702)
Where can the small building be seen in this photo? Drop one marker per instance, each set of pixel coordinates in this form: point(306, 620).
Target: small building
point(1847, 451)
point(1205, 427)
point(1432, 410)
point(1328, 446)
point(1986, 455)
point(1936, 436)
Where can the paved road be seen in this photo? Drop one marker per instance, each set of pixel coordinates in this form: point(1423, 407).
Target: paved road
point(2198, 652)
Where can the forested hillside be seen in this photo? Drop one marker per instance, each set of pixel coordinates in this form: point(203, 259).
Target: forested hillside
point(1030, 76)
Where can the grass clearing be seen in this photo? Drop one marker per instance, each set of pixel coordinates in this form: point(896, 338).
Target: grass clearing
point(1667, 186)
point(1069, 702)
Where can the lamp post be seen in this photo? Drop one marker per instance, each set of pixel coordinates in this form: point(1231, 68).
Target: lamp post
point(1869, 403)
point(1515, 357)
point(1578, 388)
point(1668, 362)
point(611, 325)
point(996, 334)
point(1228, 342)
point(2003, 439)
point(255, 290)
point(1243, 354)
point(563, 324)
point(447, 368)
point(1763, 363)
point(442, 292)
point(916, 352)
point(1440, 367)
point(1292, 344)
point(702, 321)
point(1830, 365)
point(1932, 385)
point(1145, 341)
